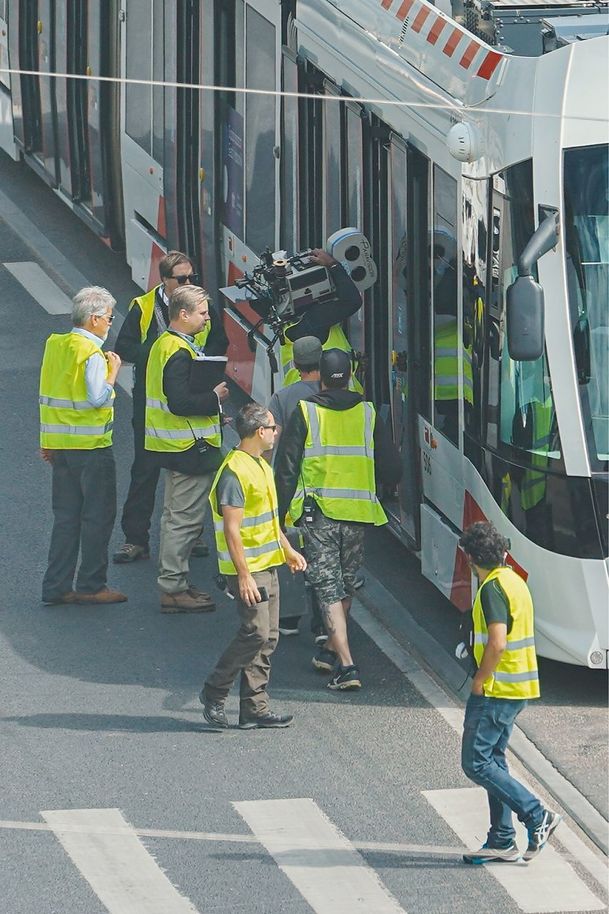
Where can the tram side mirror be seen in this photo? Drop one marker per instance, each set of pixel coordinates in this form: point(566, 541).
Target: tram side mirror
point(525, 300)
point(525, 320)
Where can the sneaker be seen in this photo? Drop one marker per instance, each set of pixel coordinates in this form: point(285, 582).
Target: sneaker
point(199, 550)
point(186, 602)
point(325, 660)
point(267, 721)
point(213, 712)
point(102, 597)
point(68, 597)
point(345, 677)
point(130, 552)
point(359, 582)
point(539, 837)
point(289, 625)
point(486, 854)
point(321, 638)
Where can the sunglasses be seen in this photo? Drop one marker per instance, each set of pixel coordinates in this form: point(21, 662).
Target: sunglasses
point(106, 318)
point(273, 427)
point(182, 280)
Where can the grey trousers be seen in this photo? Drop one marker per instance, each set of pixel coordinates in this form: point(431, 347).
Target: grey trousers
point(84, 508)
point(181, 522)
point(250, 650)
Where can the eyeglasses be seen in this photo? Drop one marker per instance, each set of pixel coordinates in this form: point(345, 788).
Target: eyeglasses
point(182, 280)
point(107, 318)
point(273, 427)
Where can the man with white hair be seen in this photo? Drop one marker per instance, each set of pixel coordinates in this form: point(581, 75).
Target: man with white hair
point(76, 417)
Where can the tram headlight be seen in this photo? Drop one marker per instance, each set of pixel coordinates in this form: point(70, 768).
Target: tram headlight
point(464, 142)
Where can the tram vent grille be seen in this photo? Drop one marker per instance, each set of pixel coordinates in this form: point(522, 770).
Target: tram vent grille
point(404, 30)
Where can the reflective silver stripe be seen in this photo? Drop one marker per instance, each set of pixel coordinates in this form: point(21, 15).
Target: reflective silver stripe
point(359, 494)
point(157, 404)
point(528, 676)
point(481, 638)
point(76, 429)
point(249, 521)
point(447, 379)
point(338, 451)
point(287, 366)
point(253, 552)
point(445, 352)
point(57, 403)
point(180, 434)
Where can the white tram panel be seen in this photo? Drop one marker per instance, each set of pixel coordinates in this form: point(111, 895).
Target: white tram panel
point(7, 141)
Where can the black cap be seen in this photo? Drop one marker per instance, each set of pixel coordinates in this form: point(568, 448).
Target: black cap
point(335, 368)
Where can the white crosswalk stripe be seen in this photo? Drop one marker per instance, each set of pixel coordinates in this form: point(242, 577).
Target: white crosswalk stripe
point(546, 884)
point(115, 863)
point(317, 858)
point(41, 287)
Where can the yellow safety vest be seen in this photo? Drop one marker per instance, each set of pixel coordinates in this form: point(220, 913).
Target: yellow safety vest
point(446, 364)
point(337, 467)
point(336, 340)
point(533, 485)
point(146, 303)
point(164, 430)
point(260, 531)
point(516, 675)
point(67, 420)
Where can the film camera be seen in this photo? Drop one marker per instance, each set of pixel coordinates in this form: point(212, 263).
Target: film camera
point(282, 288)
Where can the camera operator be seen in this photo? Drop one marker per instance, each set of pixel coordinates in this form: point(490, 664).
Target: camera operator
point(323, 320)
point(183, 435)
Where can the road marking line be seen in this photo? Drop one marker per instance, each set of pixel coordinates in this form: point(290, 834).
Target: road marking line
point(547, 884)
point(317, 858)
point(41, 287)
point(453, 715)
point(122, 873)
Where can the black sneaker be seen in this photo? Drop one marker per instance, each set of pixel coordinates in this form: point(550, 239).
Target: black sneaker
point(345, 677)
point(289, 625)
point(268, 721)
point(486, 854)
point(539, 837)
point(213, 712)
point(325, 660)
point(130, 552)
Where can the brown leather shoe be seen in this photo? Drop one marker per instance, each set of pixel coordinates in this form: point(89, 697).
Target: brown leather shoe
point(68, 597)
point(188, 601)
point(103, 596)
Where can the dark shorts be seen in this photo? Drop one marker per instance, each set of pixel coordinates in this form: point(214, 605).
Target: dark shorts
point(334, 550)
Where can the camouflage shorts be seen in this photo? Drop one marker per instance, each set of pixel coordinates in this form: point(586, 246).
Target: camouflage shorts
point(334, 550)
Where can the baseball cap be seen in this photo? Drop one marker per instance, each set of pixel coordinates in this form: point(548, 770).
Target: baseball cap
point(307, 352)
point(335, 368)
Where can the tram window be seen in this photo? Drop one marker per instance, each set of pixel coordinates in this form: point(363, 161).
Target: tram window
point(138, 99)
point(519, 394)
point(586, 177)
point(332, 117)
point(354, 171)
point(474, 233)
point(158, 74)
point(260, 133)
point(443, 255)
point(289, 156)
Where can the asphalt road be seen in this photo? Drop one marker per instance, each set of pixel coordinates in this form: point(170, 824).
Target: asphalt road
point(99, 712)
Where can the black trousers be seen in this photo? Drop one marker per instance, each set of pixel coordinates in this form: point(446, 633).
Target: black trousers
point(139, 504)
point(84, 509)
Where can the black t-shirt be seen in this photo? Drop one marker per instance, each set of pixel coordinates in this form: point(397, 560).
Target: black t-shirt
point(495, 604)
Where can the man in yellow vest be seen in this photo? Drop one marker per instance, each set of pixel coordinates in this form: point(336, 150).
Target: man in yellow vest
point(326, 469)
point(251, 546)
point(506, 678)
point(147, 318)
point(76, 418)
point(183, 435)
point(324, 321)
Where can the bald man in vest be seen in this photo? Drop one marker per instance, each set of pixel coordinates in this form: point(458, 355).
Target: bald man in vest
point(147, 318)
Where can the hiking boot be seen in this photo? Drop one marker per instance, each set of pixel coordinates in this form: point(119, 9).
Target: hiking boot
point(266, 721)
point(289, 625)
point(102, 597)
point(130, 552)
point(345, 677)
point(539, 836)
point(486, 854)
point(325, 660)
point(200, 550)
point(200, 595)
point(185, 602)
point(213, 711)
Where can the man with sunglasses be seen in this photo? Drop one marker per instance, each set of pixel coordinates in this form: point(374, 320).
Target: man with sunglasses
point(147, 318)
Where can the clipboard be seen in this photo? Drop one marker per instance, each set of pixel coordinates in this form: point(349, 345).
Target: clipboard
point(206, 372)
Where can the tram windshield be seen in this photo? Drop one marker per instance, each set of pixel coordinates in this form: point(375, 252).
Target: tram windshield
point(586, 179)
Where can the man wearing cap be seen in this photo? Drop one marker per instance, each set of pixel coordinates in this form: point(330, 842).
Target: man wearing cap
point(329, 458)
point(324, 321)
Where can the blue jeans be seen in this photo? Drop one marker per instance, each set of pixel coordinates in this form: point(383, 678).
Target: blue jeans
point(486, 732)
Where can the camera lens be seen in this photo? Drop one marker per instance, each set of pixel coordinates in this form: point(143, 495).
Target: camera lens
point(358, 274)
point(352, 253)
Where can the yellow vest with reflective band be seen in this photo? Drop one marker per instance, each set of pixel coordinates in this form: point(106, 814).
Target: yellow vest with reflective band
point(516, 675)
point(337, 467)
point(260, 529)
point(336, 340)
point(146, 303)
point(533, 485)
point(164, 430)
point(67, 419)
point(446, 364)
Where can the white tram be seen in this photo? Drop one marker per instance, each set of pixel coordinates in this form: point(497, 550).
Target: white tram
point(224, 174)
